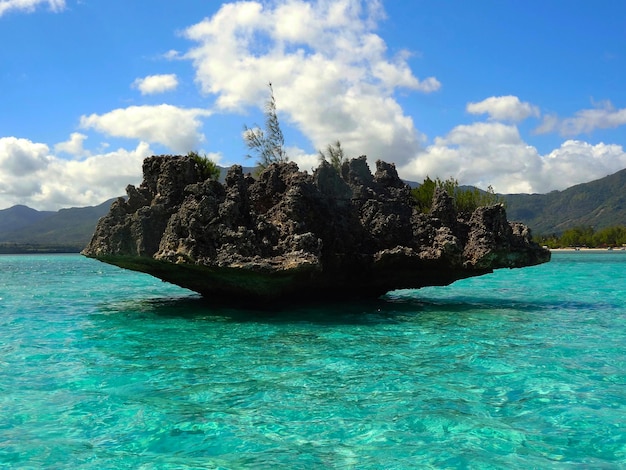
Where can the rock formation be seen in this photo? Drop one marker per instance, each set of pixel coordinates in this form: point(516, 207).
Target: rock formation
point(291, 235)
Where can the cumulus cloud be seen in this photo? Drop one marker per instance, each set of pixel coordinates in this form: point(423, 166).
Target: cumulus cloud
point(29, 6)
point(92, 180)
point(577, 162)
point(73, 146)
point(33, 176)
point(481, 154)
point(604, 116)
point(176, 128)
point(153, 84)
point(493, 153)
point(332, 74)
point(20, 157)
point(504, 108)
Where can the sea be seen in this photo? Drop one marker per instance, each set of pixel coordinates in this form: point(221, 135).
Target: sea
point(103, 368)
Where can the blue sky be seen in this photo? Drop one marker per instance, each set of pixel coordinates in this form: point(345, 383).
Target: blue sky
point(524, 96)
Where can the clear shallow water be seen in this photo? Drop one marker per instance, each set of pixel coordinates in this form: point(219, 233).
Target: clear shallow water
point(105, 368)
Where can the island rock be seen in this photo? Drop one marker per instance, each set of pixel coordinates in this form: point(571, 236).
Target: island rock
point(288, 235)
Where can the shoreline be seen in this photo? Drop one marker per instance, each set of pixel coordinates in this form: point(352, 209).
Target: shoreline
point(592, 250)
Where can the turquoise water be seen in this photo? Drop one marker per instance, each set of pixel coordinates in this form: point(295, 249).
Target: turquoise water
point(105, 368)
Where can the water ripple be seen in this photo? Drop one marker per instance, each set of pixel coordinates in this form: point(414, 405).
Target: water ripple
point(101, 368)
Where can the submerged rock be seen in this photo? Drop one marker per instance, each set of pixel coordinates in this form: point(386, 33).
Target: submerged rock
point(290, 235)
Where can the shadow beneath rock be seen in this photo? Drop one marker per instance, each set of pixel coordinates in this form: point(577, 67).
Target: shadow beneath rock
point(197, 308)
point(394, 307)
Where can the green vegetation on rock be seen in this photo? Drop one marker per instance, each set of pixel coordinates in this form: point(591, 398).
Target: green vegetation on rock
point(334, 155)
point(208, 168)
point(268, 144)
point(466, 199)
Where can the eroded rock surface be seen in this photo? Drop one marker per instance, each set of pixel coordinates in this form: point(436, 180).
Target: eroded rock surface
point(290, 235)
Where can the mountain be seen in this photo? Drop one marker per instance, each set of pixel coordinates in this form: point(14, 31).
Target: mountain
point(599, 204)
point(69, 230)
point(17, 217)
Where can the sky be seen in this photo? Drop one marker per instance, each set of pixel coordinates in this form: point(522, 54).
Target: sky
point(524, 96)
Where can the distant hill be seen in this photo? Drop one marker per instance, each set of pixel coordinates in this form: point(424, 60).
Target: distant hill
point(23, 229)
point(17, 217)
point(599, 204)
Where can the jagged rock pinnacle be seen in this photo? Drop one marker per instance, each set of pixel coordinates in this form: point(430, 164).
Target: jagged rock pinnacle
point(290, 236)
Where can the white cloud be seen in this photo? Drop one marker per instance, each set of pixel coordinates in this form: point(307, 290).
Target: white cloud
point(481, 154)
point(492, 153)
point(172, 54)
point(549, 123)
point(331, 73)
point(34, 177)
point(153, 84)
point(29, 5)
point(577, 162)
point(604, 116)
point(73, 146)
point(176, 128)
point(92, 180)
point(20, 157)
point(504, 108)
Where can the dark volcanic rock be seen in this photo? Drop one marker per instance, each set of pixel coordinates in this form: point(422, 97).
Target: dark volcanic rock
point(290, 235)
